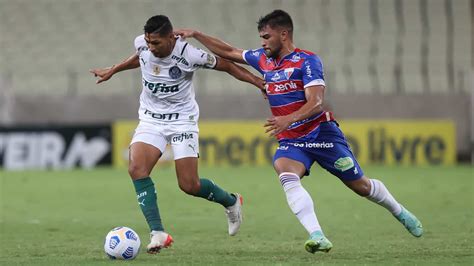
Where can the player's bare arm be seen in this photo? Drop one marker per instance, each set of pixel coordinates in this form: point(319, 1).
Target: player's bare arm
point(105, 74)
point(214, 44)
point(239, 73)
point(314, 104)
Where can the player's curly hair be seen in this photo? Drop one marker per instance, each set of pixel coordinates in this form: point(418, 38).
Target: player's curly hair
point(158, 24)
point(277, 18)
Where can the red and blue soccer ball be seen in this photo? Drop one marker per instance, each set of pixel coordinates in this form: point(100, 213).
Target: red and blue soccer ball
point(122, 243)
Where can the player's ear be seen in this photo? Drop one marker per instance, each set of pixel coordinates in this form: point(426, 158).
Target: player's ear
point(284, 35)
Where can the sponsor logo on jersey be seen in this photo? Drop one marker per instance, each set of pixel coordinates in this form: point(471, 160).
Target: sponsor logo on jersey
point(160, 87)
point(170, 116)
point(319, 145)
point(282, 148)
point(180, 60)
point(284, 87)
point(316, 145)
point(309, 73)
point(344, 163)
point(276, 77)
point(295, 58)
point(182, 137)
point(256, 53)
point(175, 72)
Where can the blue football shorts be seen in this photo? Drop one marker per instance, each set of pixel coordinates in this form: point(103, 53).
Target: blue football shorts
point(329, 149)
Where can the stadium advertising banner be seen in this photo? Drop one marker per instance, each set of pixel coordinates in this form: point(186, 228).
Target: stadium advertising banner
point(402, 142)
point(57, 147)
point(244, 143)
point(235, 143)
point(123, 133)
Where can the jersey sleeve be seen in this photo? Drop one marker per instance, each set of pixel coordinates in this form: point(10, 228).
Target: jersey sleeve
point(140, 44)
point(199, 58)
point(252, 57)
point(313, 73)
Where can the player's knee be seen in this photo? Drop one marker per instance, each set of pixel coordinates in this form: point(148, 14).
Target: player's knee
point(190, 188)
point(361, 186)
point(362, 191)
point(137, 171)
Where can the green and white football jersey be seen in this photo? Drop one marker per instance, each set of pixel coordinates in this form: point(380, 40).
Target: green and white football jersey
point(168, 93)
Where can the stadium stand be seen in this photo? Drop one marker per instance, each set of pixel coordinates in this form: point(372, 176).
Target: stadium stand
point(368, 46)
point(384, 59)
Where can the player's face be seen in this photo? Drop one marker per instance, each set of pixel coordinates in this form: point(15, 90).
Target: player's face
point(271, 41)
point(159, 46)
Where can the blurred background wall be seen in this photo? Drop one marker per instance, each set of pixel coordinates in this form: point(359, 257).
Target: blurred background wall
point(384, 59)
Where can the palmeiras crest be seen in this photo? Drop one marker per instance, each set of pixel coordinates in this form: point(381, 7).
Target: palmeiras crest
point(175, 72)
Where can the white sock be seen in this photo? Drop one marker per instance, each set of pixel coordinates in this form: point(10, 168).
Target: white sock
point(380, 195)
point(300, 201)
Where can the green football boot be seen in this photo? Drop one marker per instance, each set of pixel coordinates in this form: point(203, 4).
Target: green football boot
point(317, 242)
point(411, 223)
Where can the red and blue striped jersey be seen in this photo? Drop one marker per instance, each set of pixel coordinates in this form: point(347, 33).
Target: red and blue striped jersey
point(286, 81)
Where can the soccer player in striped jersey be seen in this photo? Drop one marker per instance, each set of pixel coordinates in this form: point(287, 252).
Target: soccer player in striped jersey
point(169, 115)
point(306, 133)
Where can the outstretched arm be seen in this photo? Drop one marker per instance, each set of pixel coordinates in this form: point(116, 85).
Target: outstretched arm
point(239, 73)
point(106, 73)
point(314, 104)
point(214, 44)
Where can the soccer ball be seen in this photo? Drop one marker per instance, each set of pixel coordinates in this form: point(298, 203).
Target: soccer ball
point(122, 243)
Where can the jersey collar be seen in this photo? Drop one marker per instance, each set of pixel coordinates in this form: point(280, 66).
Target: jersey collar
point(278, 62)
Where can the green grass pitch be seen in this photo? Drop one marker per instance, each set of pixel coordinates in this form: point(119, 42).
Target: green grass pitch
point(62, 217)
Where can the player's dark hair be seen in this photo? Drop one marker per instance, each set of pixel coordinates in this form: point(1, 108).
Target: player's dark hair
point(158, 24)
point(277, 18)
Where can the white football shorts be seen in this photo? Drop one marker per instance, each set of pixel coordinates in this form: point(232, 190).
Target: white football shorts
point(184, 139)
